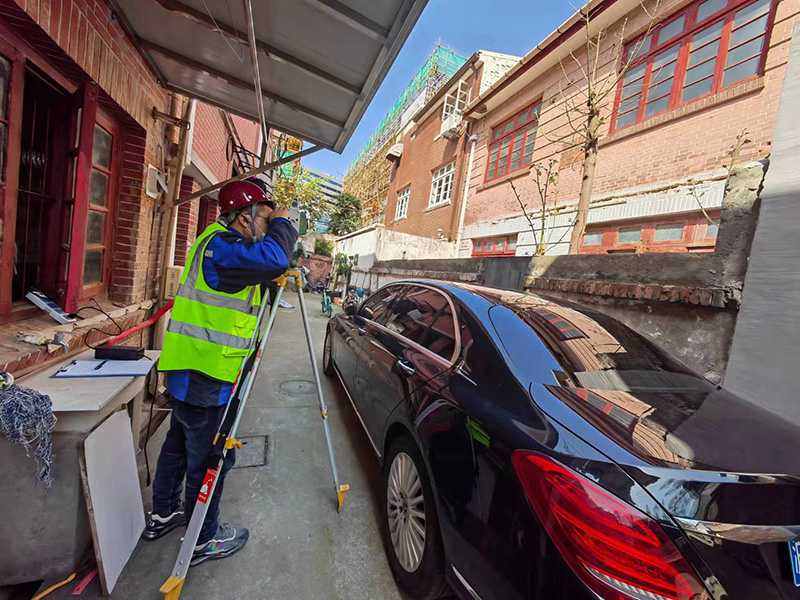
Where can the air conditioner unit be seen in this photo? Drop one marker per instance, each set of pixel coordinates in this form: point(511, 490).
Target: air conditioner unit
point(451, 123)
point(156, 182)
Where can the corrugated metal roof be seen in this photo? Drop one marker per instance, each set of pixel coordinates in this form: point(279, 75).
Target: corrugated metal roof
point(320, 61)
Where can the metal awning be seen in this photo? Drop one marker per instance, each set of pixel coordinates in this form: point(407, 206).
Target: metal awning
point(320, 61)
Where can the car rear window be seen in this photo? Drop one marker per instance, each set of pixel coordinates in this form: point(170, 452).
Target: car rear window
point(585, 349)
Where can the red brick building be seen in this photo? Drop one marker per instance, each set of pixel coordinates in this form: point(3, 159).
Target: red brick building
point(77, 140)
point(706, 70)
point(429, 166)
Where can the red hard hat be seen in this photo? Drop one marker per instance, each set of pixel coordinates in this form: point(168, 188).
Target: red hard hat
point(237, 194)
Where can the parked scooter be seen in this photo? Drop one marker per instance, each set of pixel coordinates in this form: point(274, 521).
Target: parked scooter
point(353, 296)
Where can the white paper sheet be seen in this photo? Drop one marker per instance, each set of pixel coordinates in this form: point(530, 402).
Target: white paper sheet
point(106, 368)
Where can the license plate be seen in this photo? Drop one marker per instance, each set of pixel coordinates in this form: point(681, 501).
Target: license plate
point(794, 554)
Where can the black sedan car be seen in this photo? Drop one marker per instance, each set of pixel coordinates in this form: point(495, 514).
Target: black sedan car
point(532, 448)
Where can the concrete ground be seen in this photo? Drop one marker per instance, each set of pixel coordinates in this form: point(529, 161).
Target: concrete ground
point(299, 547)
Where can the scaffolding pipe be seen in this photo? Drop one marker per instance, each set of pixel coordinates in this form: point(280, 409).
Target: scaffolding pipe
point(251, 36)
point(257, 171)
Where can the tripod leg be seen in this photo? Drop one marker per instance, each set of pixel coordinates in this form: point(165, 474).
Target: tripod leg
point(341, 489)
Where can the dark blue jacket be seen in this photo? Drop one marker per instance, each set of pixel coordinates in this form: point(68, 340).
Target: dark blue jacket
point(233, 262)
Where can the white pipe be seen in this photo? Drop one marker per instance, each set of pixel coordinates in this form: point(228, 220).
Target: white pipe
point(171, 217)
point(474, 139)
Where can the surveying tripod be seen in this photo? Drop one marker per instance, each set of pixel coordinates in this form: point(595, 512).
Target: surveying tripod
point(225, 438)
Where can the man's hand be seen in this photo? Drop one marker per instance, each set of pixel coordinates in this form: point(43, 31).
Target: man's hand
point(279, 213)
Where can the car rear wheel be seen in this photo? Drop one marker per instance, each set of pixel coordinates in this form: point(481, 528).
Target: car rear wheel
point(327, 354)
point(411, 525)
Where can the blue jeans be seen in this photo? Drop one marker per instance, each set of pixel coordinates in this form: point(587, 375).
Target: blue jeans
point(185, 454)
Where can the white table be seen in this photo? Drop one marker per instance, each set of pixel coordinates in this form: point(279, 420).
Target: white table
point(47, 533)
point(80, 403)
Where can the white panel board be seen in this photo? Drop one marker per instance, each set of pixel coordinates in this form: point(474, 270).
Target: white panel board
point(113, 498)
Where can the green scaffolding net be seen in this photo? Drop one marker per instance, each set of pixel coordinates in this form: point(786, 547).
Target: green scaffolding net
point(441, 65)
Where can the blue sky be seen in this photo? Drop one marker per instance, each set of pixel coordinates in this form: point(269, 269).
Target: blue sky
point(507, 26)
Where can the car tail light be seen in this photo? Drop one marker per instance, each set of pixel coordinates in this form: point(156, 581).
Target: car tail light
point(616, 550)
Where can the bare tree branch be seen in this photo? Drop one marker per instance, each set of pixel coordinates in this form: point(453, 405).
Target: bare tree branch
point(568, 113)
point(601, 83)
point(598, 41)
point(587, 30)
point(525, 213)
point(546, 181)
point(580, 65)
point(695, 193)
point(635, 51)
point(734, 153)
point(564, 71)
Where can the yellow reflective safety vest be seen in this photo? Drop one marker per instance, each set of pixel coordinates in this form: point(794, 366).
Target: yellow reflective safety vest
point(209, 331)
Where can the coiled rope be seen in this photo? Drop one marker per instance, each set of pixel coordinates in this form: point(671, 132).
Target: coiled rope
point(26, 418)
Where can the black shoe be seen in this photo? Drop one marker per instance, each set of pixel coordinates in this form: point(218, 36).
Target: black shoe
point(158, 526)
point(227, 541)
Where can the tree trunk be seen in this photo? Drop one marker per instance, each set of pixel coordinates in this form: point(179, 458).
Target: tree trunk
point(587, 183)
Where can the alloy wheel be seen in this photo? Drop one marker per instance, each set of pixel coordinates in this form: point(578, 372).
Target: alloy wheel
point(406, 512)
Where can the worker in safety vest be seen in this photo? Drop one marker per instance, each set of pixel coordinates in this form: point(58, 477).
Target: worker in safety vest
point(208, 335)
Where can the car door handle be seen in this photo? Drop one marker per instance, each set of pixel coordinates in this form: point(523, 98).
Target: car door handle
point(362, 331)
point(406, 368)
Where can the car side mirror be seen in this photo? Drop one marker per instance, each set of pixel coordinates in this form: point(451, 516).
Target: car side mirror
point(368, 313)
point(350, 309)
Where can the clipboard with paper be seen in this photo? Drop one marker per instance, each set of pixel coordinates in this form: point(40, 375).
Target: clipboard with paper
point(106, 368)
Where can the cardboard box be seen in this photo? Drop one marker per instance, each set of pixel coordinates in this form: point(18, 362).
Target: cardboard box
point(173, 281)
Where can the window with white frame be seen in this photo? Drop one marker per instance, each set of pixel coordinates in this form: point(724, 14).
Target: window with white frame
point(454, 104)
point(402, 203)
point(442, 185)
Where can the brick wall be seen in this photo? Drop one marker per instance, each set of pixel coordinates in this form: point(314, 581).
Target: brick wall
point(85, 30)
point(211, 137)
point(249, 133)
point(81, 42)
point(320, 266)
point(425, 151)
point(208, 213)
point(691, 140)
point(136, 220)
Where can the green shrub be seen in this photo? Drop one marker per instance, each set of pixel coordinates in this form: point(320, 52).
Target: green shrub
point(323, 247)
point(342, 264)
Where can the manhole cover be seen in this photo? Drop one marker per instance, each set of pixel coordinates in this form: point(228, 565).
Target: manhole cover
point(253, 452)
point(297, 387)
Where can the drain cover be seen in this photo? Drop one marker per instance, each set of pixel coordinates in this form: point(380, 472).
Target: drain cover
point(253, 452)
point(297, 387)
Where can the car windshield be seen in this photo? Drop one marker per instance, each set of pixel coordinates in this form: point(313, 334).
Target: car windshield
point(587, 349)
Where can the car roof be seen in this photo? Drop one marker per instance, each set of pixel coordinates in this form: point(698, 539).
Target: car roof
point(515, 300)
point(577, 335)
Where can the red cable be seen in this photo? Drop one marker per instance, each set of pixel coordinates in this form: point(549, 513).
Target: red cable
point(147, 323)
